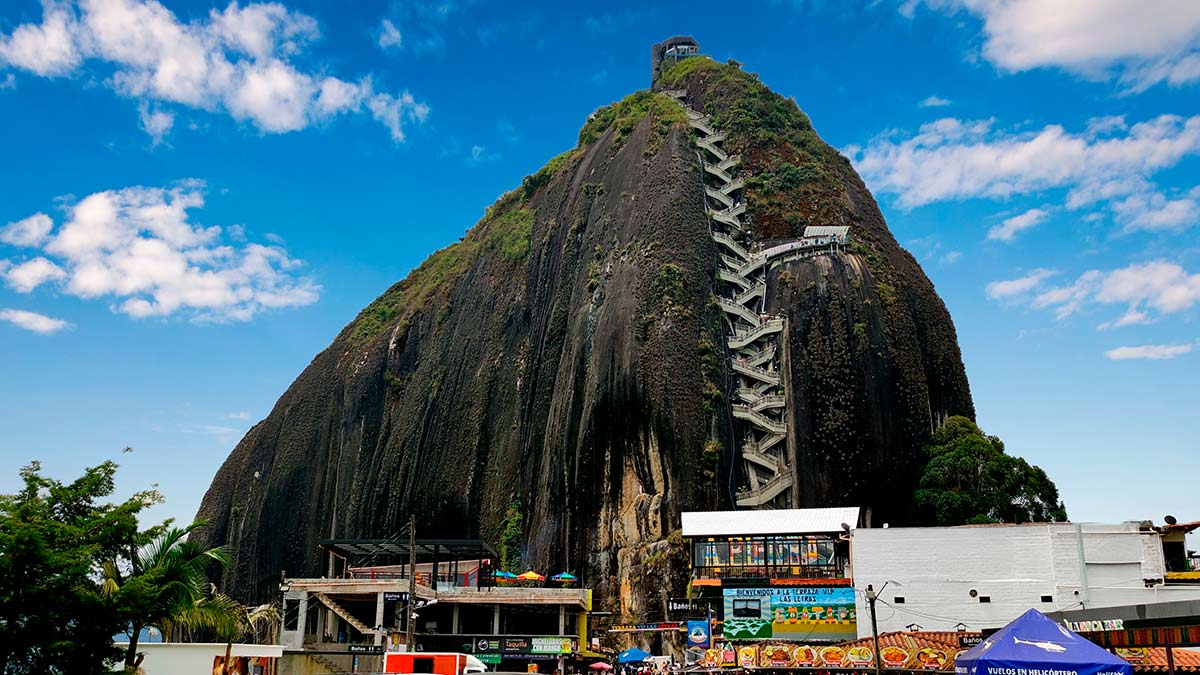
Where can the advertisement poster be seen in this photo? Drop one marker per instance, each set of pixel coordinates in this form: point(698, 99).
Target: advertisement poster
point(795, 613)
point(697, 634)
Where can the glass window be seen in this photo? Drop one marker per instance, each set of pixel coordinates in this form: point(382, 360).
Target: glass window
point(747, 609)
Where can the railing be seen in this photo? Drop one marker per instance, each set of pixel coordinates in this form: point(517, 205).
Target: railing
point(769, 572)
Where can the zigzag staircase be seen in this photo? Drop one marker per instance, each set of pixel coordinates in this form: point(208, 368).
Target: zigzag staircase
point(753, 334)
point(342, 612)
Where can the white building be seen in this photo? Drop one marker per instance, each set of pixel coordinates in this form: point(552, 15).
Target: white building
point(985, 576)
point(185, 658)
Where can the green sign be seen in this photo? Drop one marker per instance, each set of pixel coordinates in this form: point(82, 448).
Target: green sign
point(490, 659)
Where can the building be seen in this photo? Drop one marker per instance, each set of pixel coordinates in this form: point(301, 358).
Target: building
point(458, 607)
point(667, 53)
point(980, 577)
point(171, 658)
point(782, 574)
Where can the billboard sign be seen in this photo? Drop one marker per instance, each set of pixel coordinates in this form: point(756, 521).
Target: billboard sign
point(698, 634)
point(793, 613)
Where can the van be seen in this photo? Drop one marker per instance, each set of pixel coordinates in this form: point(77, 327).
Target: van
point(438, 663)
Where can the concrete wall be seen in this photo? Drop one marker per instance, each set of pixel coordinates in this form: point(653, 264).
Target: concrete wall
point(935, 569)
point(179, 658)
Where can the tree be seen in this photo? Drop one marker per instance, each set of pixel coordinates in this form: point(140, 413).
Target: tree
point(968, 478)
point(164, 584)
point(53, 617)
point(510, 539)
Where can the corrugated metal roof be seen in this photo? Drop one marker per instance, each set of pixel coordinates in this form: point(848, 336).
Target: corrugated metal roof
point(778, 521)
point(825, 230)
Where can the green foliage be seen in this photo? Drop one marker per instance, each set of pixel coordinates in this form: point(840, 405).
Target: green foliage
point(860, 336)
point(164, 583)
point(53, 535)
point(625, 114)
point(786, 177)
point(886, 293)
point(433, 276)
point(508, 234)
point(713, 398)
point(968, 478)
point(710, 460)
point(511, 537)
point(668, 286)
point(531, 183)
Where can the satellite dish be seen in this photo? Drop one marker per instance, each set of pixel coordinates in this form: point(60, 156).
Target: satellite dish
point(845, 527)
point(1170, 520)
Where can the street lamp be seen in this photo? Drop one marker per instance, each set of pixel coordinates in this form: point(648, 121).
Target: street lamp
point(872, 596)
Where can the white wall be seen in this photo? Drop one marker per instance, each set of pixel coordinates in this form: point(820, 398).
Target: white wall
point(186, 658)
point(934, 569)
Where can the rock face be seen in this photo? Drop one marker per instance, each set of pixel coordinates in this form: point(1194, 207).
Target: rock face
point(567, 354)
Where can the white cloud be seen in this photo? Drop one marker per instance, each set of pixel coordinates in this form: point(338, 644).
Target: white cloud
point(1136, 42)
point(389, 35)
point(9, 82)
point(156, 123)
point(1108, 165)
point(999, 290)
point(138, 247)
point(955, 159)
point(238, 60)
point(1011, 227)
point(951, 257)
point(47, 49)
point(31, 231)
point(1152, 352)
point(934, 101)
point(32, 321)
point(29, 275)
point(1157, 286)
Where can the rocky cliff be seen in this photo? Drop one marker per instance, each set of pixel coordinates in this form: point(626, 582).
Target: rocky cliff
point(568, 353)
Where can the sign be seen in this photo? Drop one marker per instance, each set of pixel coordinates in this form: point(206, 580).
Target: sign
point(658, 627)
point(968, 641)
point(790, 613)
point(685, 606)
point(516, 645)
point(485, 645)
point(698, 634)
point(551, 645)
point(893, 657)
point(489, 659)
point(365, 649)
point(1096, 626)
point(1131, 654)
point(391, 596)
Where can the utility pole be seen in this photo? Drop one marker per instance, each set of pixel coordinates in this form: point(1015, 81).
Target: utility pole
point(871, 597)
point(410, 636)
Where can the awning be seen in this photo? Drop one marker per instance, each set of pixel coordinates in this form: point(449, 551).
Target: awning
point(1034, 643)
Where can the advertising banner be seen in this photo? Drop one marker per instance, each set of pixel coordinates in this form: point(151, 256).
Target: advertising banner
point(698, 634)
point(795, 613)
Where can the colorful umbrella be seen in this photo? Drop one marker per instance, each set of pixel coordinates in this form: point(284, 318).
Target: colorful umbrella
point(504, 577)
point(600, 665)
point(531, 576)
point(564, 576)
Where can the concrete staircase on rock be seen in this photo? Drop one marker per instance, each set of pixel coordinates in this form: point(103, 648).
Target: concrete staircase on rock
point(753, 335)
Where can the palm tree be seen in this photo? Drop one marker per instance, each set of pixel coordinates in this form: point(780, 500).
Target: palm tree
point(164, 585)
point(240, 620)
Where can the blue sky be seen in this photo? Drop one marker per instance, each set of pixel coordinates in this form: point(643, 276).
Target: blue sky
point(197, 196)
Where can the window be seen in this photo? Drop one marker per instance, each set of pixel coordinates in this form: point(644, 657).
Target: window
point(1047, 598)
point(747, 609)
point(291, 614)
point(985, 598)
point(899, 599)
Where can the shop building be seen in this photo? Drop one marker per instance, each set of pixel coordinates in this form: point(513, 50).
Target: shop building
point(782, 574)
point(981, 577)
point(457, 607)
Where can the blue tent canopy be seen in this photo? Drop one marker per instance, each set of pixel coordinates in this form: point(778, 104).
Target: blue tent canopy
point(1034, 644)
point(633, 655)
